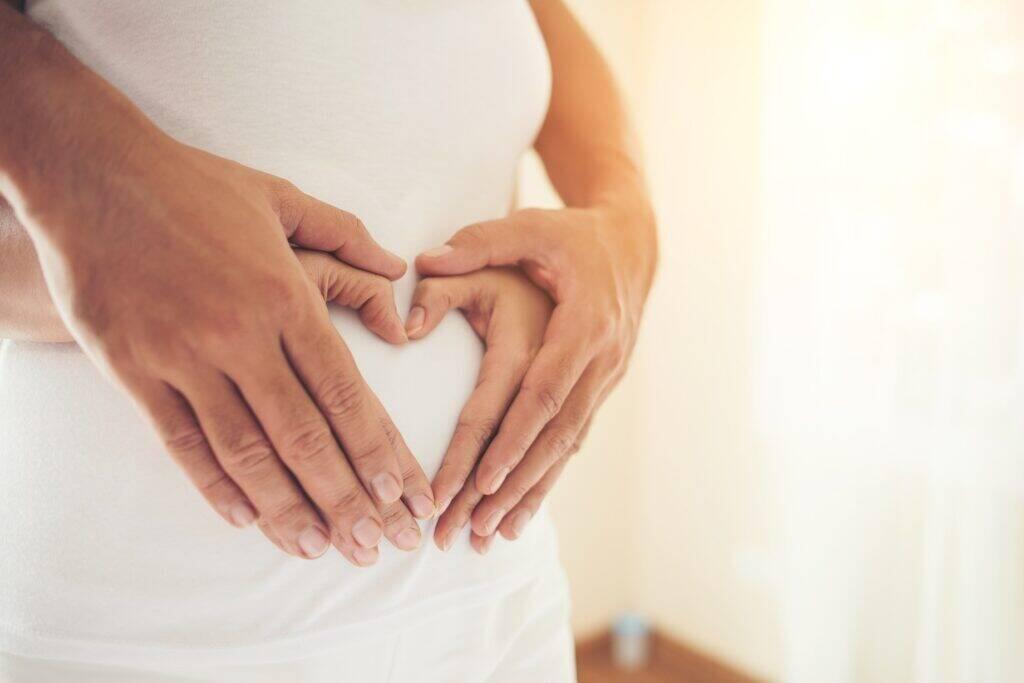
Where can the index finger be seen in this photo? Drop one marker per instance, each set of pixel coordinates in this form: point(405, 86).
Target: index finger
point(501, 242)
point(372, 443)
point(306, 445)
point(552, 375)
point(500, 375)
point(314, 224)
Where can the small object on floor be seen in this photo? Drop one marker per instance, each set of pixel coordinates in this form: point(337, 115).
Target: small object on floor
point(630, 642)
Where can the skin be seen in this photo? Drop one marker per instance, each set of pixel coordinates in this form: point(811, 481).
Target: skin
point(595, 258)
point(221, 341)
point(28, 314)
point(510, 314)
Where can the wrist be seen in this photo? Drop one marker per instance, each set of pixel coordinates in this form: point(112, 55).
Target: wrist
point(627, 222)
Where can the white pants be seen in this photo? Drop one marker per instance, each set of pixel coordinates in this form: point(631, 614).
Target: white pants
point(524, 636)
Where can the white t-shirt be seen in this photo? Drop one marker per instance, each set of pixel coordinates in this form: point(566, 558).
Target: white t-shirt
point(413, 114)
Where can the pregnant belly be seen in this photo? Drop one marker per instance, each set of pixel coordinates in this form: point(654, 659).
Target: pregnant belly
point(105, 538)
point(423, 384)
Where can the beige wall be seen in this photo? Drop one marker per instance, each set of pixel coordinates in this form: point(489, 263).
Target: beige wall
point(664, 511)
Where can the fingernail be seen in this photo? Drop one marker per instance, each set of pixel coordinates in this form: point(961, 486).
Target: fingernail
point(498, 479)
point(387, 488)
point(484, 545)
point(312, 542)
point(364, 557)
point(519, 522)
point(449, 540)
point(399, 332)
point(443, 506)
point(408, 539)
point(438, 251)
point(415, 321)
point(242, 514)
point(493, 521)
point(422, 506)
point(366, 532)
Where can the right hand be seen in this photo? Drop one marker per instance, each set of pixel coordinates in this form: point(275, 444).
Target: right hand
point(173, 270)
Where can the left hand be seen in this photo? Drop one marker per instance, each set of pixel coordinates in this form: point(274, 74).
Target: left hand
point(597, 264)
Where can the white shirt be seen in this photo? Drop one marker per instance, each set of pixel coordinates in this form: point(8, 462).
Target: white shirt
point(411, 114)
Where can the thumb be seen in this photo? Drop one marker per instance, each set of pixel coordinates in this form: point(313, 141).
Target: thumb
point(371, 295)
point(435, 296)
point(503, 242)
point(314, 224)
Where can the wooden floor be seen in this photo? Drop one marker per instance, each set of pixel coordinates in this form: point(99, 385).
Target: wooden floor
point(601, 670)
point(670, 662)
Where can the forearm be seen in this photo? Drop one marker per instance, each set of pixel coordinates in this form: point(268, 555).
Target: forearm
point(26, 311)
point(61, 127)
point(586, 143)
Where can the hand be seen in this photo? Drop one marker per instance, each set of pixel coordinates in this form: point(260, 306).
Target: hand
point(590, 262)
point(220, 339)
point(372, 296)
point(510, 315)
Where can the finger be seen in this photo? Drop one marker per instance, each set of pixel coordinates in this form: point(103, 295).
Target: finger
point(552, 375)
point(515, 522)
point(178, 428)
point(271, 535)
point(306, 444)
point(501, 242)
point(501, 372)
point(311, 223)
point(416, 490)
point(481, 544)
point(371, 295)
point(369, 438)
point(433, 298)
point(399, 526)
point(456, 516)
point(556, 441)
point(246, 454)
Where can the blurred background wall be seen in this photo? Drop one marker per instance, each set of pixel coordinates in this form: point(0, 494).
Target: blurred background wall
point(666, 510)
point(814, 470)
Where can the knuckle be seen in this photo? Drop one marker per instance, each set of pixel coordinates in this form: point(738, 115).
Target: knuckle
point(187, 440)
point(291, 201)
point(545, 396)
point(249, 455)
point(372, 451)
point(517, 490)
point(561, 440)
point(214, 487)
point(391, 435)
point(451, 476)
point(374, 313)
point(287, 512)
point(340, 394)
point(346, 502)
point(307, 443)
point(479, 431)
point(434, 292)
point(394, 515)
point(410, 472)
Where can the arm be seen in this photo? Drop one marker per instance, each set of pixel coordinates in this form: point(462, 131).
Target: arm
point(26, 310)
point(587, 144)
point(596, 258)
point(214, 331)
